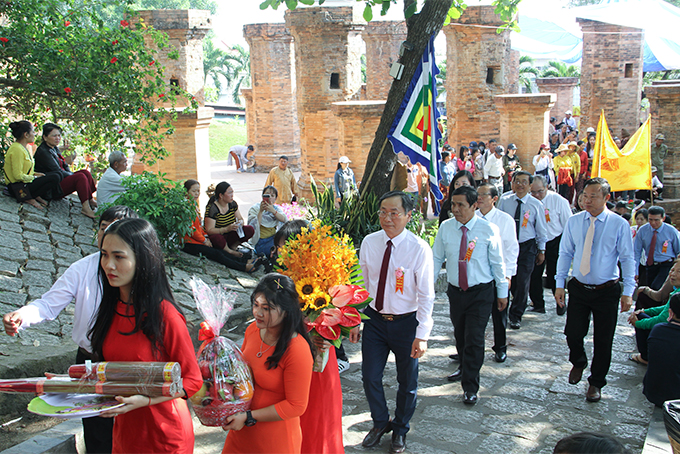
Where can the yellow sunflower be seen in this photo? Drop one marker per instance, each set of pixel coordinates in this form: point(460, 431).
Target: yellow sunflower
point(318, 300)
point(306, 286)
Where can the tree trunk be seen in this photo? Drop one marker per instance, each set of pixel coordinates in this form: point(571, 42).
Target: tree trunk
point(381, 159)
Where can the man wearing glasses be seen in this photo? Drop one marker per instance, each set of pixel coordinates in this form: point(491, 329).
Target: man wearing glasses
point(531, 233)
point(399, 275)
point(557, 213)
point(487, 196)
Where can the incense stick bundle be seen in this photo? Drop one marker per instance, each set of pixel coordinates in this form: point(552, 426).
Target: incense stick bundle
point(145, 372)
point(41, 385)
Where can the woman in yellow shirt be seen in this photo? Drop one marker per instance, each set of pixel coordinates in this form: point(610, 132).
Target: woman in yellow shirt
point(20, 177)
point(564, 171)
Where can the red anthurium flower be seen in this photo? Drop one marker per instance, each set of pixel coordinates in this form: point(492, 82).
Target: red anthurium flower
point(114, 42)
point(4, 40)
point(67, 90)
point(328, 332)
point(114, 59)
point(347, 294)
point(350, 316)
point(329, 317)
point(124, 23)
point(67, 23)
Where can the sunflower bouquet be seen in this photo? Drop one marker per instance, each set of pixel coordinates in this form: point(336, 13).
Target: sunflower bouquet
point(326, 272)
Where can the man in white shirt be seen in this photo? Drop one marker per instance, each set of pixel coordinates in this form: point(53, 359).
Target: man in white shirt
point(241, 153)
point(399, 276)
point(80, 282)
point(109, 187)
point(557, 213)
point(471, 247)
point(493, 169)
point(569, 120)
point(487, 196)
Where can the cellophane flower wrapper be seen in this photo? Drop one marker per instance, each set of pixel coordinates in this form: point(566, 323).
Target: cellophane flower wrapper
point(227, 379)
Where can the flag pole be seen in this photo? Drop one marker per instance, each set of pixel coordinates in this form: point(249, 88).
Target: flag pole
point(370, 175)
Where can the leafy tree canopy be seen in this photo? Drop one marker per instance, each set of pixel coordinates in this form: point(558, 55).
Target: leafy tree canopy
point(62, 63)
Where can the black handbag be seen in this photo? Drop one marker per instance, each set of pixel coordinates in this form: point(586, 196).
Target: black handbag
point(20, 191)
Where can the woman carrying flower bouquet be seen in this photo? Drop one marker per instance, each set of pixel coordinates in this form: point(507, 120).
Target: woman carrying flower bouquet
point(279, 352)
point(321, 423)
point(138, 320)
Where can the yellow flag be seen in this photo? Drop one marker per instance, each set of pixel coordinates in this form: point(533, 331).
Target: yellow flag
point(629, 168)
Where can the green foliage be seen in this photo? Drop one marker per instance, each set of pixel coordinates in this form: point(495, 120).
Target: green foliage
point(441, 77)
point(162, 202)
point(224, 134)
point(649, 77)
point(61, 63)
point(527, 72)
point(560, 69)
point(232, 67)
point(355, 217)
point(111, 12)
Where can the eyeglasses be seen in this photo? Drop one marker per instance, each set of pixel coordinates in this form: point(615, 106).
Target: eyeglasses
point(521, 182)
point(485, 194)
point(391, 215)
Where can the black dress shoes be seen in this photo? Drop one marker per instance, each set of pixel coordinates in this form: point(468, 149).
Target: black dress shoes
point(457, 375)
point(373, 437)
point(500, 357)
point(537, 310)
point(455, 357)
point(469, 398)
point(593, 394)
point(575, 375)
point(561, 310)
point(514, 325)
point(398, 443)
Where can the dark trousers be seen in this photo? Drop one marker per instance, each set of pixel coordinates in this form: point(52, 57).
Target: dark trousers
point(552, 249)
point(46, 186)
point(97, 431)
point(216, 255)
point(519, 287)
point(500, 326)
point(641, 336)
point(232, 239)
point(655, 275)
point(381, 337)
point(470, 311)
point(604, 305)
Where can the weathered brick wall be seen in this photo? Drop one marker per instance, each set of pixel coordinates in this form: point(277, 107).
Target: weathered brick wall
point(664, 106)
point(189, 148)
point(472, 54)
point(563, 87)
point(358, 121)
point(251, 124)
point(186, 30)
point(328, 51)
point(606, 83)
point(383, 39)
point(273, 112)
point(524, 121)
point(511, 72)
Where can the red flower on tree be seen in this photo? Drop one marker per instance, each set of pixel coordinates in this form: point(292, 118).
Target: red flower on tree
point(67, 23)
point(140, 109)
point(161, 95)
point(114, 42)
point(152, 62)
point(114, 59)
point(124, 23)
point(4, 40)
point(67, 90)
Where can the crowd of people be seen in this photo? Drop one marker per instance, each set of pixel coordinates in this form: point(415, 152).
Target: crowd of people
point(500, 228)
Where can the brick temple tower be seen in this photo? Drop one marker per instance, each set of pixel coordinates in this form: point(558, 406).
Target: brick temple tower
point(383, 39)
point(479, 65)
point(328, 49)
point(271, 110)
point(611, 75)
point(189, 146)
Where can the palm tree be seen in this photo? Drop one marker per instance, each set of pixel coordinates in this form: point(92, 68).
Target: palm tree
point(238, 62)
point(560, 69)
point(215, 66)
point(527, 72)
point(441, 77)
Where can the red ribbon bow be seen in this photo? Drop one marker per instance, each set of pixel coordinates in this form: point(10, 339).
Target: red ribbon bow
point(206, 332)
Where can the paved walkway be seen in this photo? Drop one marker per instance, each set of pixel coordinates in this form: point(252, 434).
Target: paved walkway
point(525, 404)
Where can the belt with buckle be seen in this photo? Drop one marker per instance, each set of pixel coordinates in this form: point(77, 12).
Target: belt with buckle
point(607, 284)
point(662, 263)
point(390, 317)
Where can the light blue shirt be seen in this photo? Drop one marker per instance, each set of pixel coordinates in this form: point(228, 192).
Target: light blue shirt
point(612, 242)
point(486, 260)
point(535, 227)
point(667, 243)
point(447, 171)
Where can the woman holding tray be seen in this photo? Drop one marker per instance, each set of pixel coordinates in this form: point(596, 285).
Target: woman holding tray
point(279, 352)
point(138, 320)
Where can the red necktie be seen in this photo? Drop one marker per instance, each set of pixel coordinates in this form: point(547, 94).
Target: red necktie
point(383, 277)
point(462, 263)
point(650, 254)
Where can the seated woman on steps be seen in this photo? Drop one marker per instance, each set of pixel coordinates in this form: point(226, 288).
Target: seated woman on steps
point(224, 222)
